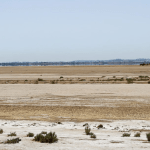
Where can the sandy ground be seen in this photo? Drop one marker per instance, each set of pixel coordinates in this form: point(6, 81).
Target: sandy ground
point(36, 107)
point(74, 102)
point(78, 70)
point(72, 135)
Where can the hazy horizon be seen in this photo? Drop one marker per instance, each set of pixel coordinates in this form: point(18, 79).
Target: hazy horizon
point(36, 30)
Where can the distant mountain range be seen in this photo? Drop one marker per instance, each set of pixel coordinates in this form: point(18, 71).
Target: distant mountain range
point(81, 62)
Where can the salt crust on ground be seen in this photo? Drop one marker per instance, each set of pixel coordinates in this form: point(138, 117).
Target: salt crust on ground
point(71, 135)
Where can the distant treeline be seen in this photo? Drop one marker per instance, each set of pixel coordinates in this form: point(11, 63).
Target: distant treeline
point(143, 64)
point(78, 63)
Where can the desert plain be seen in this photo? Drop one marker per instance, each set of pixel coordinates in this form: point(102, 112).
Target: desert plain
point(35, 99)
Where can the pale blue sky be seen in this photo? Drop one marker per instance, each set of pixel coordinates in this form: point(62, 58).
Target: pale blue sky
point(65, 30)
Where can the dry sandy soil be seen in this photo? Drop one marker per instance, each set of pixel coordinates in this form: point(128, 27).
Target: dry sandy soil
point(78, 70)
point(74, 104)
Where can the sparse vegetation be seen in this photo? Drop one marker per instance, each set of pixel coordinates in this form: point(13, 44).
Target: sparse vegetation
point(82, 80)
point(121, 79)
point(1, 131)
point(12, 134)
point(144, 64)
point(93, 135)
point(61, 77)
point(126, 135)
point(53, 82)
point(13, 141)
point(148, 136)
point(92, 80)
point(39, 79)
point(129, 80)
point(100, 126)
point(36, 82)
point(48, 138)
point(87, 130)
point(137, 134)
point(30, 134)
point(86, 124)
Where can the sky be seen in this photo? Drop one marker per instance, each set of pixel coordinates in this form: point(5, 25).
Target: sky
point(66, 30)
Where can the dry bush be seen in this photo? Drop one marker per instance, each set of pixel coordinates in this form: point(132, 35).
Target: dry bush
point(12, 134)
point(100, 126)
point(39, 79)
point(87, 130)
point(86, 124)
point(126, 135)
point(1, 131)
point(48, 138)
point(137, 134)
point(13, 141)
point(30, 134)
point(93, 135)
point(148, 136)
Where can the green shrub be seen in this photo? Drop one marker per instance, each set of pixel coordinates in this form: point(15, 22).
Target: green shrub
point(38, 137)
point(87, 130)
point(82, 80)
point(100, 126)
point(61, 77)
point(129, 80)
point(93, 135)
point(141, 76)
point(13, 141)
point(137, 134)
point(148, 136)
point(48, 138)
point(53, 82)
point(30, 134)
point(121, 79)
point(12, 134)
point(86, 124)
point(148, 82)
point(1, 131)
point(126, 135)
point(39, 79)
